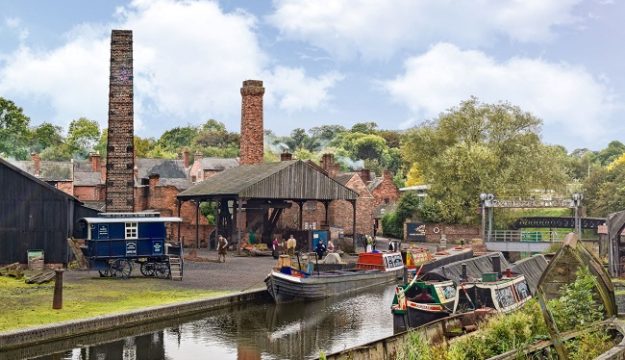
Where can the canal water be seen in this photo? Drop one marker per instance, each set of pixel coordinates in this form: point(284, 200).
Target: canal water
point(267, 331)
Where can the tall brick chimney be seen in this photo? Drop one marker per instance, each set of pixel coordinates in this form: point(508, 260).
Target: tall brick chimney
point(94, 159)
point(120, 149)
point(185, 158)
point(365, 175)
point(36, 163)
point(251, 148)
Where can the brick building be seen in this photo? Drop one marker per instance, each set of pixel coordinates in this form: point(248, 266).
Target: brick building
point(203, 168)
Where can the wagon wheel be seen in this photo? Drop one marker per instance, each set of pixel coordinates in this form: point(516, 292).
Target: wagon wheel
point(104, 273)
point(122, 268)
point(147, 268)
point(162, 270)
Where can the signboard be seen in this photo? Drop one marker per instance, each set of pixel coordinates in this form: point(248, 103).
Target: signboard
point(415, 232)
point(393, 261)
point(103, 231)
point(131, 248)
point(157, 248)
point(522, 204)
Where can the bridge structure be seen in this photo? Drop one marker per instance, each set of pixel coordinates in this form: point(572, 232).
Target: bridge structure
point(533, 234)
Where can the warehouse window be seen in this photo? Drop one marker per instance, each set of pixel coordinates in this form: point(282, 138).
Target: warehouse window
point(132, 230)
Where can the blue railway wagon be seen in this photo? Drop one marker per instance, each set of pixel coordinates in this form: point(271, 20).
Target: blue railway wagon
point(113, 241)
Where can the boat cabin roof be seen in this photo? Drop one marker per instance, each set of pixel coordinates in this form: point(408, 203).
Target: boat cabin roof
point(110, 220)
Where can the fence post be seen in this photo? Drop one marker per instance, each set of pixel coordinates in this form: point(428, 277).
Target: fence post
point(57, 300)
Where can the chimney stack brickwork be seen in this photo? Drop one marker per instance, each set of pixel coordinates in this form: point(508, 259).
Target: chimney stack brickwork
point(120, 149)
point(252, 145)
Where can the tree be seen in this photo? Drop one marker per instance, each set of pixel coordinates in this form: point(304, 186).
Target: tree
point(175, 139)
point(14, 132)
point(393, 138)
point(83, 135)
point(610, 153)
point(369, 147)
point(475, 148)
point(143, 146)
point(45, 136)
point(327, 132)
point(365, 127)
point(415, 176)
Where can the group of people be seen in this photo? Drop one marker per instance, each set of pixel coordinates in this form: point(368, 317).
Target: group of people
point(291, 245)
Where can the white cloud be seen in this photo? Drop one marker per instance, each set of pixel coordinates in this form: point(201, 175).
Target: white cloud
point(377, 29)
point(566, 97)
point(292, 90)
point(190, 58)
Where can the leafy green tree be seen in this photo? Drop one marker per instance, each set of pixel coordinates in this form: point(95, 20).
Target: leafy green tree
point(143, 146)
point(60, 152)
point(100, 147)
point(326, 132)
point(299, 140)
point(369, 147)
point(610, 153)
point(14, 131)
point(82, 136)
point(44, 136)
point(175, 139)
point(365, 127)
point(475, 148)
point(393, 138)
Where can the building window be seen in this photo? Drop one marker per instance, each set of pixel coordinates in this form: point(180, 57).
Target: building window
point(387, 200)
point(132, 230)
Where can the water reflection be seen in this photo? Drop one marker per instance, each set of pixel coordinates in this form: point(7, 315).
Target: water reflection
point(267, 331)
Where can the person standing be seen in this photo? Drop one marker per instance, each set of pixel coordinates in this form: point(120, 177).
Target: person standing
point(275, 248)
point(222, 249)
point(330, 246)
point(290, 245)
point(320, 249)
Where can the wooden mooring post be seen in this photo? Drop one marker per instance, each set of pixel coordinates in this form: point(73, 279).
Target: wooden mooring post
point(57, 300)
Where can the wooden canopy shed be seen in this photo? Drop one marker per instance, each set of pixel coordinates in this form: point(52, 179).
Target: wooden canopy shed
point(35, 215)
point(263, 191)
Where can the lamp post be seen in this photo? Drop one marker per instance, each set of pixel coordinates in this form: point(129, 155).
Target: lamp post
point(577, 202)
point(485, 200)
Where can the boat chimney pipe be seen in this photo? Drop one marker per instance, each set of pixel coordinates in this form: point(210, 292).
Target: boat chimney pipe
point(464, 272)
point(496, 265)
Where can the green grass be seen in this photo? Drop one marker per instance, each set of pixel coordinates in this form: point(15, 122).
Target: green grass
point(26, 305)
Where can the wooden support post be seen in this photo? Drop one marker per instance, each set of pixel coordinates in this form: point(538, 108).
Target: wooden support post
point(179, 203)
point(354, 223)
point(326, 204)
point(301, 215)
point(218, 219)
point(57, 300)
point(197, 224)
point(237, 213)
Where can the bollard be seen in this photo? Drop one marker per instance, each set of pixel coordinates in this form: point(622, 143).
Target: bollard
point(57, 301)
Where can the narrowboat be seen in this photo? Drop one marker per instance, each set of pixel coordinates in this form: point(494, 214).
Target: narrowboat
point(423, 260)
point(287, 284)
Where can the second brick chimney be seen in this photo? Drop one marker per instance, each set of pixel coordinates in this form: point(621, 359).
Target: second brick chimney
point(94, 159)
point(252, 145)
point(286, 156)
point(185, 158)
point(36, 163)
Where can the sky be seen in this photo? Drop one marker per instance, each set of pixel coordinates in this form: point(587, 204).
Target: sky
point(395, 62)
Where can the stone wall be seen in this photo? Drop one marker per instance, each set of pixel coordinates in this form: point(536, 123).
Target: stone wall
point(120, 150)
point(251, 148)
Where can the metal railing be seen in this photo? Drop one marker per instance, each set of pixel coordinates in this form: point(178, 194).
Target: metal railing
point(524, 236)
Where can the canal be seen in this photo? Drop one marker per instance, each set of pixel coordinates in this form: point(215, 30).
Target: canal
point(260, 331)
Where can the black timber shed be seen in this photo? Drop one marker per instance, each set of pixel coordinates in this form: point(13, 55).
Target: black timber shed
point(266, 185)
point(35, 215)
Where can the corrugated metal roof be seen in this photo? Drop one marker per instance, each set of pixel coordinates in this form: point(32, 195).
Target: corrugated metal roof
point(291, 180)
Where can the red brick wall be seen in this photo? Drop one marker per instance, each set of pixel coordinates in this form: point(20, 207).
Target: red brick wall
point(163, 199)
point(454, 233)
point(88, 192)
point(341, 211)
point(251, 148)
point(386, 190)
point(66, 186)
point(120, 150)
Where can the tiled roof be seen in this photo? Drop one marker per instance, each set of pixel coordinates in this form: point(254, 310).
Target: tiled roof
point(49, 170)
point(343, 179)
point(87, 178)
point(165, 168)
point(219, 164)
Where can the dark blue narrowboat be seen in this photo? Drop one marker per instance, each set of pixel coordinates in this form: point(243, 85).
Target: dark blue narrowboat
point(114, 241)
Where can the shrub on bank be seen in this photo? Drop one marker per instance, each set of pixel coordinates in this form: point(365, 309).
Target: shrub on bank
point(576, 309)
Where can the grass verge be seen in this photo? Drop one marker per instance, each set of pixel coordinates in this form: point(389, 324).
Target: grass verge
point(26, 305)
